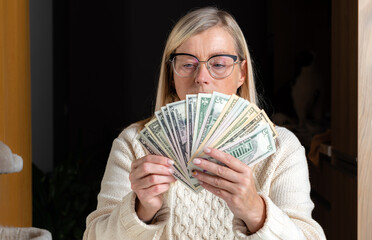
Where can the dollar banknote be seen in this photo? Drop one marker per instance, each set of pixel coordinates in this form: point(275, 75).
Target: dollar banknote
point(177, 114)
point(190, 120)
point(250, 149)
point(181, 130)
point(152, 150)
point(202, 104)
point(215, 108)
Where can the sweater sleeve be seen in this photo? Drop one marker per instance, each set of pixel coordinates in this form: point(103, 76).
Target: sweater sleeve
point(115, 216)
point(288, 202)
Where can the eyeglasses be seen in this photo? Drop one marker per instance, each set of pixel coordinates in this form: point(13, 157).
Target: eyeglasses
point(219, 66)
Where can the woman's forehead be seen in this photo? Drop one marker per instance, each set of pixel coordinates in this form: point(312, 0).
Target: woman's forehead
point(215, 40)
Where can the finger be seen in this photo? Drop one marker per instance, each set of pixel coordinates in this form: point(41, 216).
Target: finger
point(148, 168)
point(152, 191)
point(227, 159)
point(218, 170)
point(215, 181)
point(152, 159)
point(152, 180)
point(216, 191)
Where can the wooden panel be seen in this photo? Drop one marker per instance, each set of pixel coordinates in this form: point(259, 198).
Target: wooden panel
point(344, 76)
point(15, 111)
point(344, 205)
point(365, 120)
point(334, 192)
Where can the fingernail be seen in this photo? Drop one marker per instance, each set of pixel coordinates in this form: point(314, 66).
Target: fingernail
point(170, 162)
point(171, 170)
point(194, 172)
point(196, 161)
point(207, 150)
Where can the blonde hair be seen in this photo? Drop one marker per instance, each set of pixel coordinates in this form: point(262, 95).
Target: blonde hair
point(189, 25)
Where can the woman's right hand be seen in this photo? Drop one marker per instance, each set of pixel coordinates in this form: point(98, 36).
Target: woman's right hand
point(150, 177)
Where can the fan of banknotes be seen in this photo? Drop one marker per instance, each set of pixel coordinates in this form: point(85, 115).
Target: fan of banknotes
point(181, 130)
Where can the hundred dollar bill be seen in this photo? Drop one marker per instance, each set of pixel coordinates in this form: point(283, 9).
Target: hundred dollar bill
point(249, 127)
point(155, 129)
point(225, 114)
point(226, 132)
point(237, 111)
point(150, 144)
point(201, 108)
point(229, 108)
point(167, 132)
point(251, 149)
point(231, 111)
point(227, 111)
point(167, 121)
point(153, 151)
point(177, 114)
point(236, 125)
point(190, 119)
point(147, 135)
point(159, 137)
point(182, 129)
point(215, 108)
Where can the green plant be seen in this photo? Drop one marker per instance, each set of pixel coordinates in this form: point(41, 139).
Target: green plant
point(63, 198)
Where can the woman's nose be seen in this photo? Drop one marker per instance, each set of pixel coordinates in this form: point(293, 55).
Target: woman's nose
point(202, 74)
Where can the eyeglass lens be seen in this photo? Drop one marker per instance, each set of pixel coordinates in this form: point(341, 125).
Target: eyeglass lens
point(218, 66)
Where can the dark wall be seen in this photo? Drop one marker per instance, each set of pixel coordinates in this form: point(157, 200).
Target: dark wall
point(106, 64)
point(107, 57)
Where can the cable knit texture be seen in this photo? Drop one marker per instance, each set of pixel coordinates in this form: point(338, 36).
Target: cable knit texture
point(282, 180)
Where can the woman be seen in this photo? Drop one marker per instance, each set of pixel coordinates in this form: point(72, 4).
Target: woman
point(140, 199)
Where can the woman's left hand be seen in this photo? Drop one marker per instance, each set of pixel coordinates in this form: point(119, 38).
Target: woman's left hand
point(235, 185)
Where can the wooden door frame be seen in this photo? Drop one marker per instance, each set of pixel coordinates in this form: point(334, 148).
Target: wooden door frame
point(15, 111)
point(364, 119)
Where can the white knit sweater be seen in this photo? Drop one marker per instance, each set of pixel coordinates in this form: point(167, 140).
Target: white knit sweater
point(282, 180)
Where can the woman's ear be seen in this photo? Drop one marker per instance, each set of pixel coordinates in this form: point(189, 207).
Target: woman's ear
point(243, 73)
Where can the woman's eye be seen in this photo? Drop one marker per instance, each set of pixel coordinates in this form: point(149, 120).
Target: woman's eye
point(188, 65)
point(218, 65)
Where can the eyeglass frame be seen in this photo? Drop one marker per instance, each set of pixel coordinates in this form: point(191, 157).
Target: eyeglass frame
point(234, 57)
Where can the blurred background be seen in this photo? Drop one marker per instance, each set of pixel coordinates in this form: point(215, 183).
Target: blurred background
point(94, 69)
